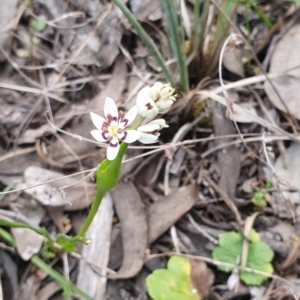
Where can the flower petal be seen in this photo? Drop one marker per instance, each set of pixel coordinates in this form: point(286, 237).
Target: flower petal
point(110, 108)
point(143, 96)
point(99, 135)
point(97, 120)
point(113, 149)
point(161, 122)
point(154, 90)
point(129, 136)
point(163, 104)
point(129, 117)
point(145, 112)
point(147, 138)
point(150, 127)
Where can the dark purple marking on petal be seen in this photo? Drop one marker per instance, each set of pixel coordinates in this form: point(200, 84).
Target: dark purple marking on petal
point(115, 119)
point(113, 145)
point(149, 106)
point(125, 121)
point(124, 136)
point(104, 135)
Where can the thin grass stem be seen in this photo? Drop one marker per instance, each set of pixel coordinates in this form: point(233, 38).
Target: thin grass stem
point(177, 42)
point(146, 39)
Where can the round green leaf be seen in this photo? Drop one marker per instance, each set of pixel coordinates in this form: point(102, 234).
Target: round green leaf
point(259, 255)
point(173, 282)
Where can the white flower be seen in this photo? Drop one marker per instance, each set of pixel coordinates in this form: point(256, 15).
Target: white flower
point(154, 100)
point(112, 128)
point(149, 132)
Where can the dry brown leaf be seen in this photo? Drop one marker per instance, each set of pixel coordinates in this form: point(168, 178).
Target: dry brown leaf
point(59, 219)
point(13, 167)
point(286, 57)
point(228, 158)
point(163, 214)
point(91, 279)
point(132, 215)
point(72, 198)
point(286, 54)
point(202, 277)
point(232, 60)
point(29, 288)
point(287, 178)
point(48, 291)
point(288, 89)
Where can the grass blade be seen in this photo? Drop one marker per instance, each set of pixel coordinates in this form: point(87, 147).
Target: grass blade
point(199, 23)
point(146, 39)
point(177, 42)
point(68, 287)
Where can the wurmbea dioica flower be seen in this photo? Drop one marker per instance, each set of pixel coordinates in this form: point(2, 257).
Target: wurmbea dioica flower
point(155, 100)
point(112, 128)
point(149, 132)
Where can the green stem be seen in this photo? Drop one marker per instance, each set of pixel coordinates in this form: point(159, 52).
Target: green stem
point(94, 208)
point(108, 174)
point(146, 39)
point(67, 286)
point(42, 231)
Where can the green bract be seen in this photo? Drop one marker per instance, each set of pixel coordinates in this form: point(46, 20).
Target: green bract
point(259, 256)
point(172, 283)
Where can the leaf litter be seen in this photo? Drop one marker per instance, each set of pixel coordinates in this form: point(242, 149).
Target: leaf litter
point(60, 61)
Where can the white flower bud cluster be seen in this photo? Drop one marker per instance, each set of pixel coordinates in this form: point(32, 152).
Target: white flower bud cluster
point(116, 127)
point(155, 100)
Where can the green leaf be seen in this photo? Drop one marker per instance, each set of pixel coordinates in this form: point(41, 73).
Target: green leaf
point(7, 237)
point(259, 255)
point(258, 198)
point(8, 188)
point(177, 41)
point(38, 25)
point(69, 289)
point(145, 38)
point(68, 243)
point(230, 247)
point(173, 282)
point(108, 172)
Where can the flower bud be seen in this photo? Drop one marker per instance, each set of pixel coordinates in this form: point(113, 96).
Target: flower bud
point(154, 100)
point(149, 132)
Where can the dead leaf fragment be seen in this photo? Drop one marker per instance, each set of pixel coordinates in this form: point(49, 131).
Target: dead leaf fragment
point(232, 60)
point(132, 215)
point(8, 10)
point(48, 291)
point(288, 89)
point(163, 214)
point(91, 279)
point(9, 285)
point(46, 193)
point(287, 178)
point(286, 54)
point(201, 276)
point(146, 10)
point(228, 158)
point(27, 241)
